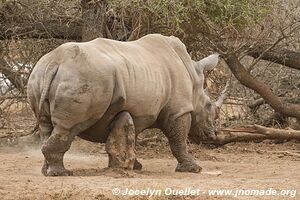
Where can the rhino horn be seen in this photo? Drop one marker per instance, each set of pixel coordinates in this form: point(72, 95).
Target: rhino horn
point(222, 96)
point(206, 92)
point(207, 63)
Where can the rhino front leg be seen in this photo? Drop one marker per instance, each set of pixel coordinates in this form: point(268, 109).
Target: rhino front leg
point(54, 149)
point(120, 144)
point(177, 132)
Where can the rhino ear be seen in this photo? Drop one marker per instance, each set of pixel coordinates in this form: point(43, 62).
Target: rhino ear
point(207, 63)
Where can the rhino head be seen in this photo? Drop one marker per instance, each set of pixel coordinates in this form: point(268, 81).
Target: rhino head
point(206, 114)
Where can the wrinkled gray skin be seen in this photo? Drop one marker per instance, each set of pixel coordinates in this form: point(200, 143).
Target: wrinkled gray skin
point(79, 89)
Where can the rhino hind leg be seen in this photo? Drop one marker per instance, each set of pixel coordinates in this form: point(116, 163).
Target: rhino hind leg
point(45, 129)
point(54, 149)
point(177, 131)
point(120, 144)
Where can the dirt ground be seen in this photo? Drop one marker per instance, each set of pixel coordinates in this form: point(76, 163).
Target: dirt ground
point(236, 166)
point(243, 166)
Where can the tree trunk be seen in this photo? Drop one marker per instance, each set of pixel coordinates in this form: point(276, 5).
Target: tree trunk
point(244, 77)
point(94, 20)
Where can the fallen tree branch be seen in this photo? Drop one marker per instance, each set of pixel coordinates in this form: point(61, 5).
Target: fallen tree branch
point(225, 138)
point(255, 133)
point(273, 133)
point(239, 130)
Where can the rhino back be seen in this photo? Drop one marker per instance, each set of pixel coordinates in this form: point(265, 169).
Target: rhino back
point(152, 75)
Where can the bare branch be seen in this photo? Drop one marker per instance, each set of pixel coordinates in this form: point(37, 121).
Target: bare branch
point(239, 71)
point(281, 56)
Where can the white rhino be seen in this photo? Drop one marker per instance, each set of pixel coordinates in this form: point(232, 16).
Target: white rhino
point(89, 89)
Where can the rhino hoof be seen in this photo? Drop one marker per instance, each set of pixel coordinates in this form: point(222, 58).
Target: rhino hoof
point(59, 172)
point(45, 168)
point(137, 165)
point(188, 167)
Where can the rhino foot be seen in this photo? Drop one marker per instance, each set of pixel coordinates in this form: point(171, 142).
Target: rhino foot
point(137, 165)
point(188, 167)
point(58, 171)
point(45, 168)
point(176, 132)
point(54, 149)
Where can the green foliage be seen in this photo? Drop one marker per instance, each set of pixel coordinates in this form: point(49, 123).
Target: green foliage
point(237, 13)
point(173, 15)
point(151, 14)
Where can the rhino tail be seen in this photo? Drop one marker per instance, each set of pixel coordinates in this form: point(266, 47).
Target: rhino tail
point(49, 75)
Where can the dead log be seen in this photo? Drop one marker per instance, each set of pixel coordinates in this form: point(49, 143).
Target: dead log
point(225, 138)
point(254, 133)
point(273, 133)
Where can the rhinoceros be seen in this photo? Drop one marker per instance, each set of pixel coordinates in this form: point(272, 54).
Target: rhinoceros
point(90, 89)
